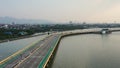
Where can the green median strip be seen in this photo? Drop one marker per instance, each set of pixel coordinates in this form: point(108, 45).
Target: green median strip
point(49, 53)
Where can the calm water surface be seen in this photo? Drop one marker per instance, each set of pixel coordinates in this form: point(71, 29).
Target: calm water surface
point(89, 51)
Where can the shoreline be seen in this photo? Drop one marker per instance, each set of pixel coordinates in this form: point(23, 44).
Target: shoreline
point(22, 37)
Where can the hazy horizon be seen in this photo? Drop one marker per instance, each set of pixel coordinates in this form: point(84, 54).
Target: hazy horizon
point(62, 10)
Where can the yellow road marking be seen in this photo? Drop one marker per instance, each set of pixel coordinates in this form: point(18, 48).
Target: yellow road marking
point(18, 52)
point(27, 57)
point(30, 55)
point(51, 53)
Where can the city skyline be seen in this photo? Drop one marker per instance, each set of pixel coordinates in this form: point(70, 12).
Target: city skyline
point(62, 10)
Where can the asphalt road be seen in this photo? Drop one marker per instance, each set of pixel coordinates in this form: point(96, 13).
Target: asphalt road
point(33, 60)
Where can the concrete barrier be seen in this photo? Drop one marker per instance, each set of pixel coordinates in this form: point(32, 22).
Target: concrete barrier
point(51, 53)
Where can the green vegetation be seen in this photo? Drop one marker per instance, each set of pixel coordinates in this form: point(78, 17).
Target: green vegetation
point(24, 30)
point(13, 33)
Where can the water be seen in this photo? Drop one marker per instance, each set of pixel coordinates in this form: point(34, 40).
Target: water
point(89, 51)
point(8, 48)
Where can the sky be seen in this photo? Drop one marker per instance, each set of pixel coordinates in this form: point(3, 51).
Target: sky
point(63, 10)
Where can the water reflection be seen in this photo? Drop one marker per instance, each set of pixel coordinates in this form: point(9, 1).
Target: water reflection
point(89, 51)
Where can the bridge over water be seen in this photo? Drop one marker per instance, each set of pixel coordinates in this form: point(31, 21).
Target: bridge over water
point(40, 54)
